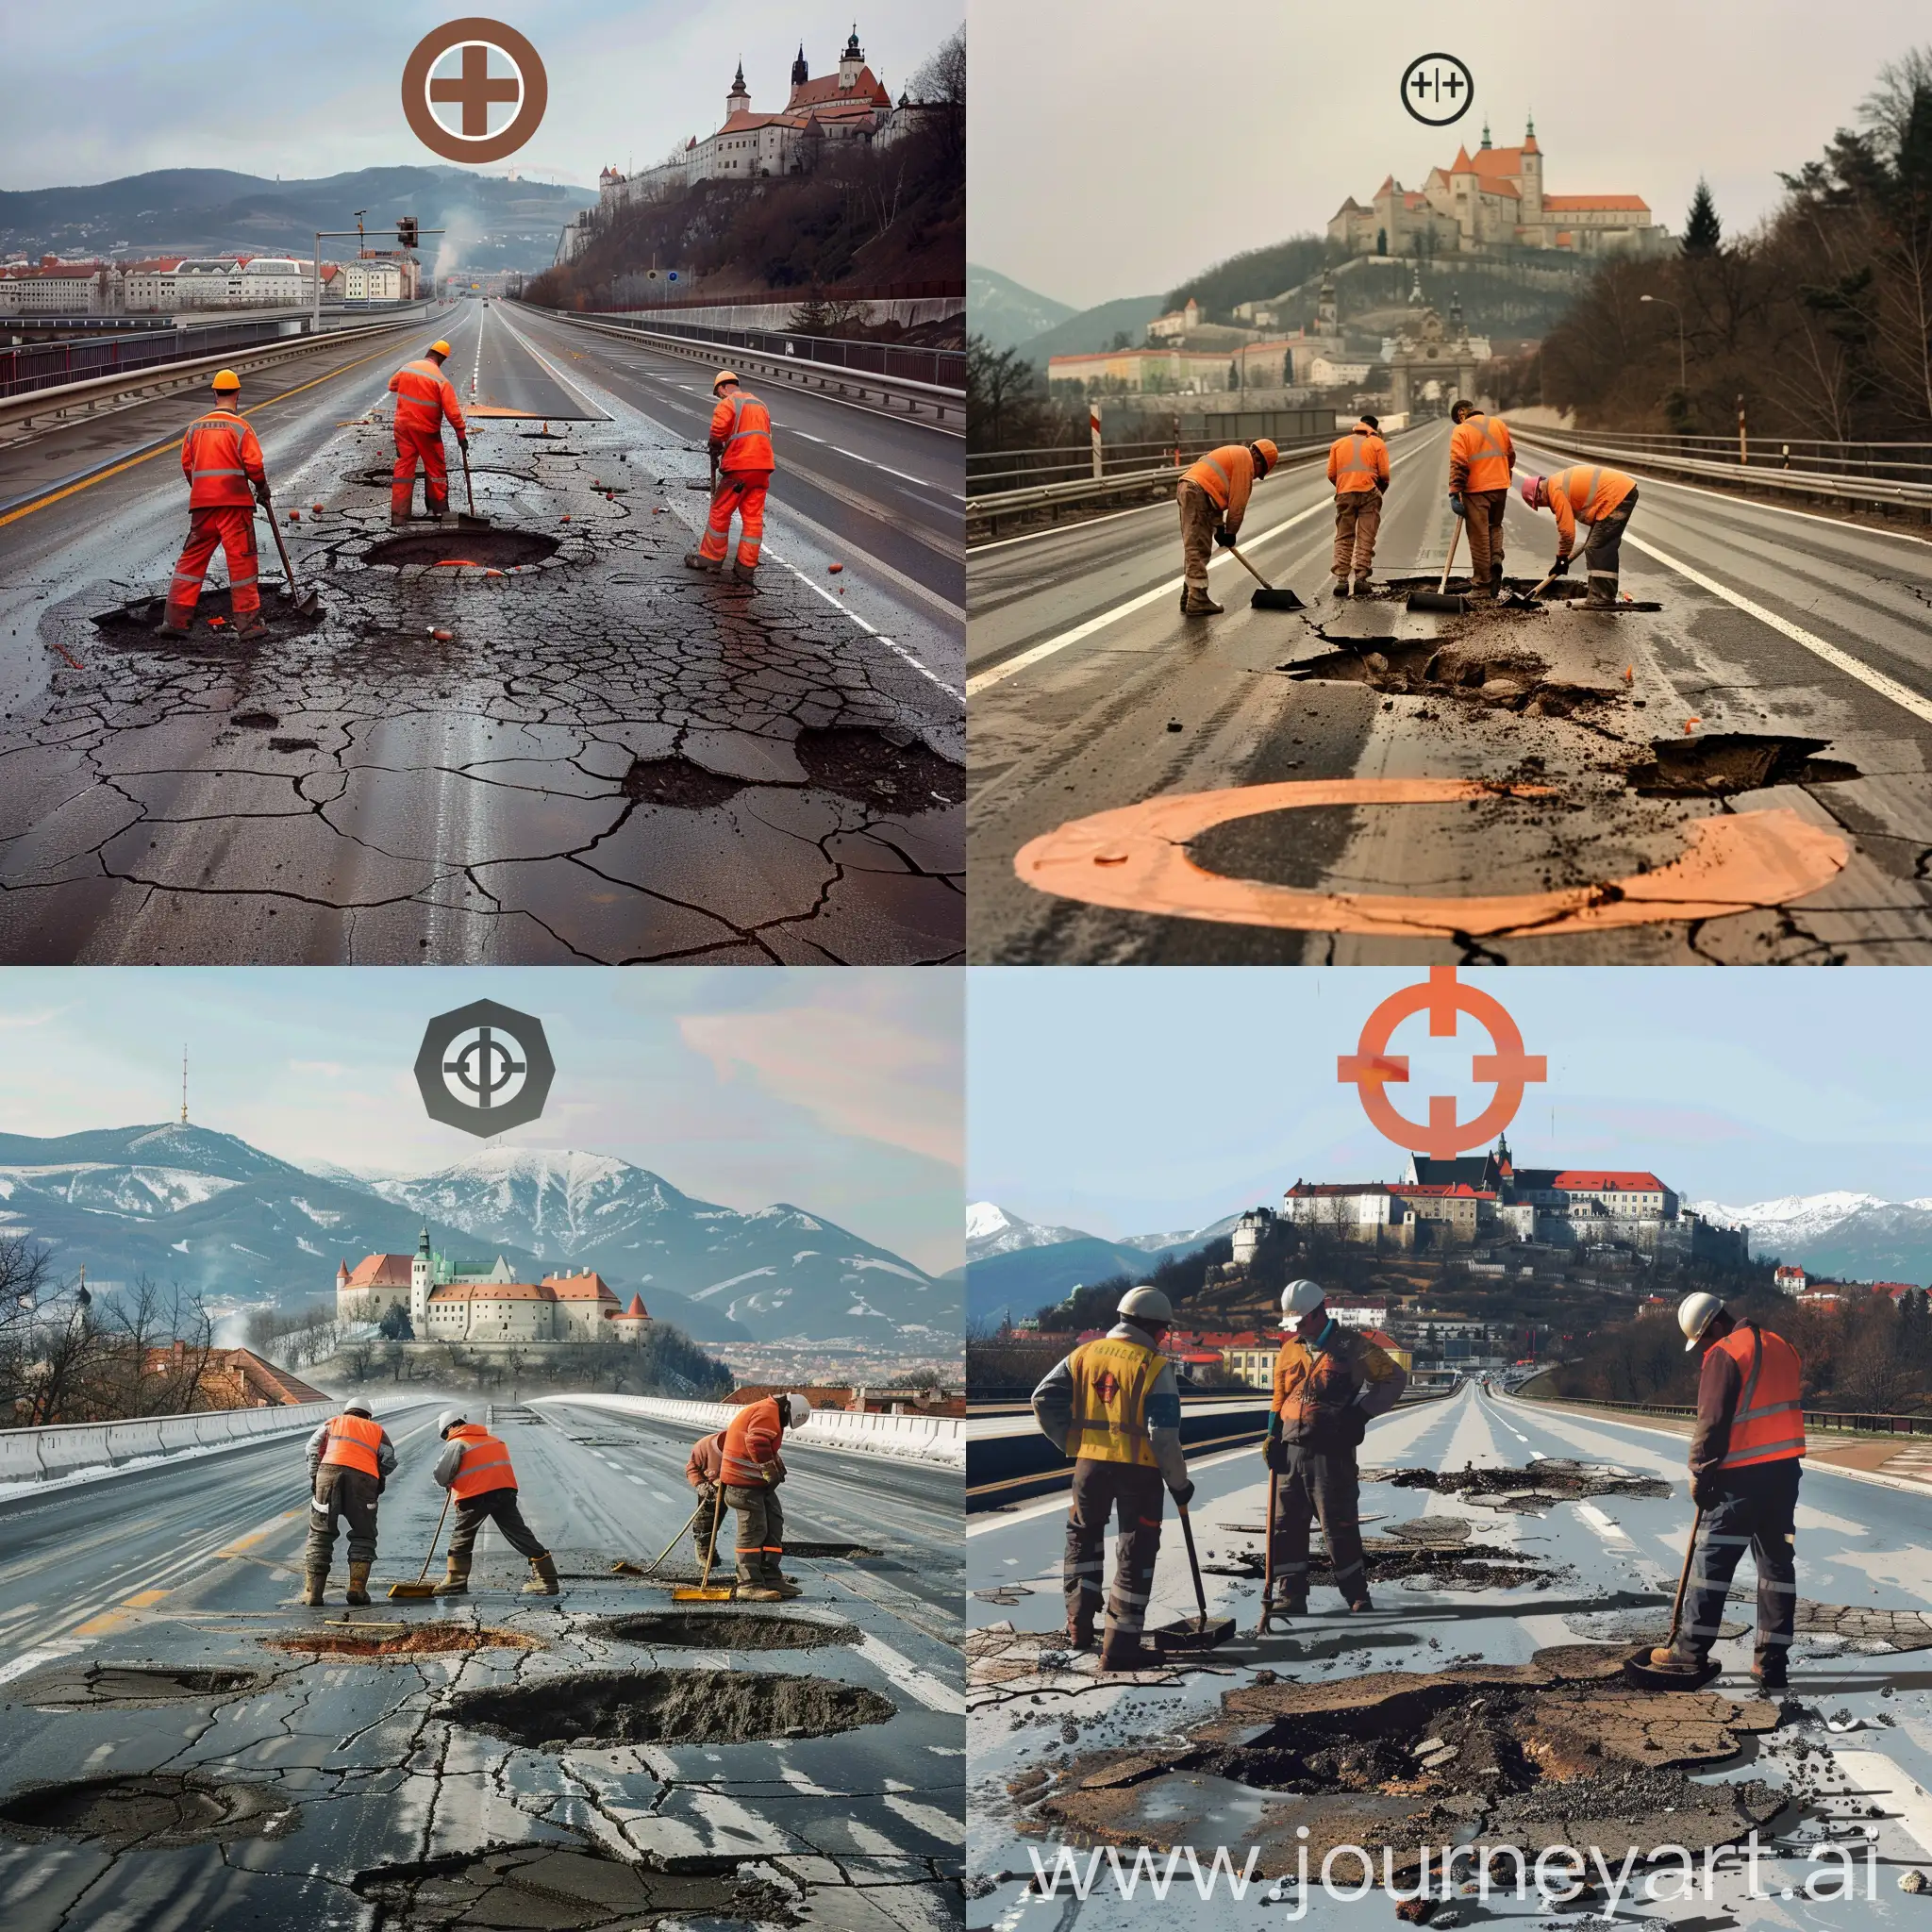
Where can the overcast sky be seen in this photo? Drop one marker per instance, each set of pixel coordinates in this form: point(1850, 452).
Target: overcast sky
point(1115, 150)
point(837, 1090)
point(1130, 1101)
point(123, 86)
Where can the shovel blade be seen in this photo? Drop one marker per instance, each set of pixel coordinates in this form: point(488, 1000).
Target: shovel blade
point(695, 1595)
point(411, 1590)
point(1281, 598)
point(1194, 1636)
point(1639, 1670)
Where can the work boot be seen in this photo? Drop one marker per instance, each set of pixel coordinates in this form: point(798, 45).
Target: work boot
point(1290, 1606)
point(544, 1583)
point(316, 1582)
point(1358, 1605)
point(1771, 1673)
point(787, 1586)
point(399, 523)
point(1080, 1637)
point(357, 1593)
point(1667, 1656)
point(1342, 588)
point(174, 621)
point(696, 560)
point(1197, 603)
point(456, 1580)
point(759, 1593)
point(1602, 594)
point(1130, 1657)
point(250, 623)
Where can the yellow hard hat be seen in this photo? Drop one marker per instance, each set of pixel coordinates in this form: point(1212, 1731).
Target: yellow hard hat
point(438, 348)
point(723, 376)
point(226, 379)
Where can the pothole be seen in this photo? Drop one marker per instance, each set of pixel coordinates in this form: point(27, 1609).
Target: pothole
point(425, 1639)
point(678, 783)
point(866, 767)
point(1552, 1479)
point(254, 720)
point(725, 1630)
point(158, 1811)
point(380, 476)
point(1506, 679)
point(594, 1707)
point(1395, 1559)
point(568, 1889)
point(494, 549)
point(212, 624)
point(131, 1687)
point(1727, 761)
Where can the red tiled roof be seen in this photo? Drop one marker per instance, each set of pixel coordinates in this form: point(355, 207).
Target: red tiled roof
point(1615, 1181)
point(1571, 204)
point(747, 123)
point(1435, 1188)
point(825, 90)
point(579, 1288)
point(381, 1271)
point(489, 1292)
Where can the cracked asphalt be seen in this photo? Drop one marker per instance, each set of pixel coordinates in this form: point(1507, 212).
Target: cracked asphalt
point(1145, 705)
point(1853, 1745)
point(337, 1792)
point(591, 755)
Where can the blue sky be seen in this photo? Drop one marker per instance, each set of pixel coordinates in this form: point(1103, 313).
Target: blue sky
point(124, 87)
point(837, 1089)
point(1127, 1101)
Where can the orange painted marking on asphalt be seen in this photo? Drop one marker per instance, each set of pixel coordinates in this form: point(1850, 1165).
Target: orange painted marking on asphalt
point(1134, 858)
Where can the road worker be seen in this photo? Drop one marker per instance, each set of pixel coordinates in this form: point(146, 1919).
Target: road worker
point(425, 397)
point(1481, 456)
point(704, 1471)
point(1115, 1407)
point(1746, 1457)
point(475, 1469)
point(741, 465)
point(752, 1472)
point(1588, 494)
point(1213, 498)
point(350, 1458)
point(222, 463)
point(1330, 1382)
point(1359, 468)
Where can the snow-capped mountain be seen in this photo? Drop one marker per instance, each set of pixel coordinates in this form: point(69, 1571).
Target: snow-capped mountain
point(1860, 1236)
point(1183, 1237)
point(990, 1230)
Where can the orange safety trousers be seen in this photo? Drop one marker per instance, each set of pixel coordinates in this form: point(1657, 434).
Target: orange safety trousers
point(743, 491)
point(231, 528)
point(414, 442)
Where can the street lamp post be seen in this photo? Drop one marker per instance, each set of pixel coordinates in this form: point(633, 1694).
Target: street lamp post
point(1679, 314)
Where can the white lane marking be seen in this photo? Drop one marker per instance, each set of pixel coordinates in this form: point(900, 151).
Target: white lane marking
point(640, 1481)
point(946, 1826)
point(477, 367)
point(921, 1685)
point(32, 1659)
point(836, 449)
point(1840, 660)
point(1874, 1774)
point(1012, 666)
point(870, 630)
point(835, 543)
point(556, 374)
point(1606, 1526)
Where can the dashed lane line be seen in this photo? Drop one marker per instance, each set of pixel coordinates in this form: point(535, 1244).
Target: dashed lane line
point(921, 1685)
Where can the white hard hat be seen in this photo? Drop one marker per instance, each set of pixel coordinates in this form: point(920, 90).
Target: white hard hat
point(1298, 1297)
point(796, 1410)
point(450, 1419)
point(357, 1405)
point(1696, 1313)
point(1145, 1305)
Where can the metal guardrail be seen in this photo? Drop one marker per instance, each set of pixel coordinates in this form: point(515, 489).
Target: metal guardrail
point(1828, 1421)
point(1812, 455)
point(941, 368)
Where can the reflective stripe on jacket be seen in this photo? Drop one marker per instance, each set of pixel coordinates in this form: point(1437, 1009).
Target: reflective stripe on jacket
point(423, 397)
point(1358, 460)
point(353, 1442)
point(741, 433)
point(1112, 1379)
point(1481, 454)
point(1586, 494)
point(1227, 475)
point(751, 1444)
point(1769, 1422)
point(220, 457)
point(485, 1465)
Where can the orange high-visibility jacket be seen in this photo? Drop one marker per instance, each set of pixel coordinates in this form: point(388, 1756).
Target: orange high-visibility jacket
point(1227, 475)
point(1586, 494)
point(1480, 455)
point(485, 1465)
point(353, 1440)
point(741, 433)
point(1358, 460)
point(220, 457)
point(1315, 1387)
point(1769, 1422)
point(751, 1444)
point(423, 397)
point(706, 1460)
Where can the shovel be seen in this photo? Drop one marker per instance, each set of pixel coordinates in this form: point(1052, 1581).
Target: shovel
point(632, 1569)
point(422, 1588)
point(306, 601)
point(1266, 598)
point(471, 522)
point(1525, 600)
point(1206, 1633)
point(1439, 599)
point(705, 1594)
point(1268, 1604)
point(1637, 1668)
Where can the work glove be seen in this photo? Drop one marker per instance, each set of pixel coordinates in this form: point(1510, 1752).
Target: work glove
point(1184, 1495)
point(1456, 503)
point(462, 443)
point(262, 494)
point(1705, 1493)
point(1223, 536)
point(1274, 1454)
point(1560, 568)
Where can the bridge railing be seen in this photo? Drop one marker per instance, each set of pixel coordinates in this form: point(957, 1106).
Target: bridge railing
point(1828, 1421)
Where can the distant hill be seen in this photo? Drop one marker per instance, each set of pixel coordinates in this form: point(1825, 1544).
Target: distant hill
point(1006, 313)
point(1094, 328)
point(1025, 1274)
point(1857, 1237)
point(990, 1230)
point(492, 223)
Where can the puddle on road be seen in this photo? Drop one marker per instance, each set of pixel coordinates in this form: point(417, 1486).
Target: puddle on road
point(594, 1707)
point(157, 1812)
point(426, 1640)
point(486, 549)
point(1725, 762)
point(725, 1630)
point(130, 1686)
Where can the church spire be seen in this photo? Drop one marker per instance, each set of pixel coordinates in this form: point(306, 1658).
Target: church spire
point(801, 73)
point(1486, 130)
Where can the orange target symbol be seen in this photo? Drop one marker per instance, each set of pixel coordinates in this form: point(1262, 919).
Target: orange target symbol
point(1372, 1068)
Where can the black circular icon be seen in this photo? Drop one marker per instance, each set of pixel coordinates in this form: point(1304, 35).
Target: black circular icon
point(1437, 88)
point(484, 1068)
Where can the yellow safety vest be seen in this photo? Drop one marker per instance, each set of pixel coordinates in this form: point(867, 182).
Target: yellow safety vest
point(1112, 1379)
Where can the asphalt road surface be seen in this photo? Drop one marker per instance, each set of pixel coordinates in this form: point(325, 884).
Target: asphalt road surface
point(1803, 722)
point(1606, 1563)
point(291, 1789)
point(544, 742)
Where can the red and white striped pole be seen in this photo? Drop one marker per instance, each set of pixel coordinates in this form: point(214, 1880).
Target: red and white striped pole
point(1093, 431)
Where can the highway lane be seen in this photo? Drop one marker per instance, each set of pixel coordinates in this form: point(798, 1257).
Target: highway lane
point(1077, 710)
point(573, 750)
point(1860, 1544)
point(370, 1789)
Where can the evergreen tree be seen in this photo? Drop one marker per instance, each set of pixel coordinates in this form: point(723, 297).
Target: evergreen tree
point(395, 1325)
point(1703, 231)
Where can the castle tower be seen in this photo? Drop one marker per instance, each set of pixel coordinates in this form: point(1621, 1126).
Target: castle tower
point(800, 72)
point(1531, 183)
point(850, 62)
point(739, 100)
point(341, 1291)
point(1326, 312)
point(419, 1288)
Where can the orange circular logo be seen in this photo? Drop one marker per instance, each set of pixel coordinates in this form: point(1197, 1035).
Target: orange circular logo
point(1371, 1067)
point(1105, 1386)
point(474, 90)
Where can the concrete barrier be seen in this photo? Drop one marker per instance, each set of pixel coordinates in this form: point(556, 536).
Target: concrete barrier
point(77, 1447)
point(20, 1455)
point(66, 1448)
point(906, 1438)
point(125, 1440)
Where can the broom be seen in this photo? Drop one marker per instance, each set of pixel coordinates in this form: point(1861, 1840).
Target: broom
point(422, 1588)
point(623, 1569)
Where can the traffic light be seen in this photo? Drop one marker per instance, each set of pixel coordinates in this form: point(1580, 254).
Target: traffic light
point(406, 231)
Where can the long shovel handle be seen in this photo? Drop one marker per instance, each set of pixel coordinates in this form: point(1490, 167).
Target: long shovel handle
point(1268, 1548)
point(1454, 538)
point(1684, 1578)
point(675, 1540)
point(711, 1547)
point(436, 1538)
point(1248, 567)
point(1193, 1564)
point(469, 488)
point(274, 530)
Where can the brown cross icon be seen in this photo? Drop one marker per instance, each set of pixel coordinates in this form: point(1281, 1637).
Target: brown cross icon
point(476, 91)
